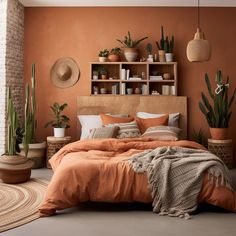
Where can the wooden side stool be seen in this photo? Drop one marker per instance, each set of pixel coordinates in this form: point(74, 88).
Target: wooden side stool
point(223, 149)
point(54, 145)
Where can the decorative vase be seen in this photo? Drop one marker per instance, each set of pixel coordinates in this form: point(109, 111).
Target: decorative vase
point(161, 54)
point(59, 132)
point(169, 57)
point(131, 54)
point(102, 59)
point(219, 133)
point(36, 153)
point(15, 169)
point(114, 57)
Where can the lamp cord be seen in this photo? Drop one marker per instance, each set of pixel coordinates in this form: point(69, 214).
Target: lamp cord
point(198, 13)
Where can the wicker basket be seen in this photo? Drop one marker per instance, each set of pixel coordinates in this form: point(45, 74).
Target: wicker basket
point(222, 149)
point(54, 145)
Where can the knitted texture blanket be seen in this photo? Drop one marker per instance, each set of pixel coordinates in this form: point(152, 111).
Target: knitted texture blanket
point(175, 177)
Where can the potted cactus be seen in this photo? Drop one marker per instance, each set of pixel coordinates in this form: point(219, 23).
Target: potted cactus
point(149, 51)
point(161, 46)
point(218, 112)
point(13, 168)
point(60, 122)
point(30, 148)
point(102, 56)
point(130, 50)
point(114, 54)
point(169, 47)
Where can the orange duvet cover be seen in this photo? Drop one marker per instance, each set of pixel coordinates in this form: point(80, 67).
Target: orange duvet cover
point(97, 170)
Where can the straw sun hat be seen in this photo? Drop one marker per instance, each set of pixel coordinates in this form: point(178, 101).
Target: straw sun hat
point(65, 72)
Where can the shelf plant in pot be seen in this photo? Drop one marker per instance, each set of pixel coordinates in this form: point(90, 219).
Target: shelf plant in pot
point(60, 122)
point(13, 168)
point(161, 47)
point(130, 50)
point(218, 112)
point(149, 51)
point(169, 47)
point(102, 56)
point(114, 55)
point(103, 72)
point(30, 147)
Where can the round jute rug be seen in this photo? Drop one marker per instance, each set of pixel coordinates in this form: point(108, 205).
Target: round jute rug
point(19, 203)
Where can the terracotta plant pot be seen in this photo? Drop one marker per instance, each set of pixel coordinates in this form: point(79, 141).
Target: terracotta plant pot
point(219, 133)
point(15, 169)
point(161, 54)
point(131, 54)
point(36, 153)
point(113, 57)
point(103, 77)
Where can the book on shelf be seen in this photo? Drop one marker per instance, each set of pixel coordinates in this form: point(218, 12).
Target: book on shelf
point(135, 78)
point(155, 77)
point(123, 74)
point(114, 89)
point(144, 89)
point(168, 90)
point(127, 74)
point(122, 88)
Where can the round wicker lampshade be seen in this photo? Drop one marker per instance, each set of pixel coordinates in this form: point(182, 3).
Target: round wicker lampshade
point(198, 49)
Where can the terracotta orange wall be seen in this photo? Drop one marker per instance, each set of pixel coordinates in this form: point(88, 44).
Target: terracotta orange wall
point(51, 33)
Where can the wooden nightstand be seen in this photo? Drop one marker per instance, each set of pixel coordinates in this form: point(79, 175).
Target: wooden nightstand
point(223, 149)
point(54, 145)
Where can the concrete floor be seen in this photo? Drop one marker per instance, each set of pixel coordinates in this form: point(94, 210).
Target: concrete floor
point(126, 219)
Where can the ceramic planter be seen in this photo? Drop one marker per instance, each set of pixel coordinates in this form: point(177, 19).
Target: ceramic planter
point(114, 57)
point(161, 54)
point(219, 133)
point(150, 58)
point(59, 132)
point(36, 153)
point(102, 59)
point(131, 54)
point(169, 57)
point(103, 77)
point(15, 169)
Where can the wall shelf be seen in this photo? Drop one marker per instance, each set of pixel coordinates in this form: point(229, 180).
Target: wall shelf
point(122, 71)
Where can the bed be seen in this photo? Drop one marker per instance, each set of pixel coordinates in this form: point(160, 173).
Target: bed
point(100, 169)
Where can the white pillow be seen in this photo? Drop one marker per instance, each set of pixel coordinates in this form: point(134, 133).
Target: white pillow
point(173, 117)
point(89, 122)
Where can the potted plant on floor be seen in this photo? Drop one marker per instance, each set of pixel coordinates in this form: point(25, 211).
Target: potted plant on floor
point(114, 55)
point(13, 168)
point(60, 122)
point(130, 50)
point(218, 113)
point(30, 148)
point(102, 56)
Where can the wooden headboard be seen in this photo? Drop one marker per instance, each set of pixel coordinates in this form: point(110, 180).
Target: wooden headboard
point(130, 104)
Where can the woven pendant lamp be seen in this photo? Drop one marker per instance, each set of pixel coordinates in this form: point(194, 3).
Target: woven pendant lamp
point(198, 49)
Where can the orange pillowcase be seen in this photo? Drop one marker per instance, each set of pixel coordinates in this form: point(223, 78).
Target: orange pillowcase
point(107, 119)
point(151, 122)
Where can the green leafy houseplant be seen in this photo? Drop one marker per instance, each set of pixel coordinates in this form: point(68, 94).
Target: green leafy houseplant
point(169, 45)
point(115, 51)
point(114, 54)
point(200, 138)
point(149, 48)
point(103, 53)
point(130, 50)
point(218, 112)
point(59, 121)
point(103, 72)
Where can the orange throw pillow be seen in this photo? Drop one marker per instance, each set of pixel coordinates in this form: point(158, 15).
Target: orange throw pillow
point(151, 122)
point(107, 119)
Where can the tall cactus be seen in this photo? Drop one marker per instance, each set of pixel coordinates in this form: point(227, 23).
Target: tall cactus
point(12, 125)
point(218, 114)
point(30, 122)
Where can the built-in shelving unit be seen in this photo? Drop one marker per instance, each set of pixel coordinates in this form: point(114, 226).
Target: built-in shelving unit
point(134, 78)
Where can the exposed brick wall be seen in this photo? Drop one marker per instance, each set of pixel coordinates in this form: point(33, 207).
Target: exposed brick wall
point(11, 59)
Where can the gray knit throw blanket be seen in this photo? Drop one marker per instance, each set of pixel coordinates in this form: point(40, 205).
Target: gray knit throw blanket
point(175, 177)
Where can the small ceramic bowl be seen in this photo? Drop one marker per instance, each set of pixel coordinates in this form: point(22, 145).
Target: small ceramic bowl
point(167, 76)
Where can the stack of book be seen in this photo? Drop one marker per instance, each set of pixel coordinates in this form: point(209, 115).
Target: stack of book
point(168, 90)
point(124, 75)
point(122, 88)
point(114, 89)
point(155, 77)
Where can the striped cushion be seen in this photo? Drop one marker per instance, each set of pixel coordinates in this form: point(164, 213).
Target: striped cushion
point(104, 132)
point(127, 130)
point(166, 133)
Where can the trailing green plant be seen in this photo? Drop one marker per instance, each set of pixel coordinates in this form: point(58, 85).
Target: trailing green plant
point(218, 112)
point(30, 122)
point(169, 45)
point(200, 138)
point(149, 48)
point(103, 53)
point(129, 42)
point(59, 121)
point(115, 51)
point(12, 125)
